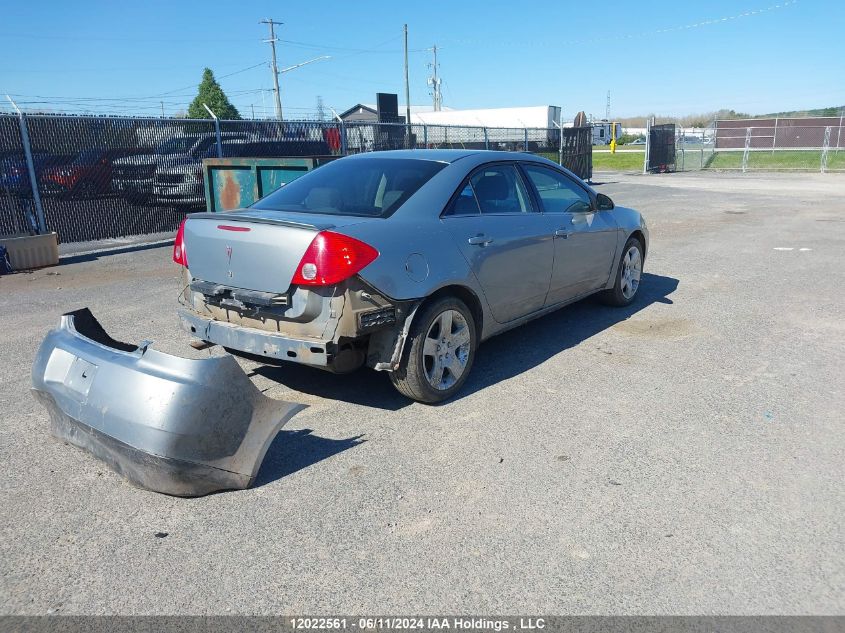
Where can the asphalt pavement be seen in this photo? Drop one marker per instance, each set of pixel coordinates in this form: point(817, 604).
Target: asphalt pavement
point(680, 456)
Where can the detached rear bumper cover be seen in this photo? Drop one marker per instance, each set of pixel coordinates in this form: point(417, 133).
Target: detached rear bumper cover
point(169, 424)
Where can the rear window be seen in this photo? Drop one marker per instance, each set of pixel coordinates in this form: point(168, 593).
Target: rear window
point(371, 187)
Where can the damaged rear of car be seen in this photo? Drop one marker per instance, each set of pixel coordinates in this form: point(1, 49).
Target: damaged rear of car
point(404, 261)
point(283, 283)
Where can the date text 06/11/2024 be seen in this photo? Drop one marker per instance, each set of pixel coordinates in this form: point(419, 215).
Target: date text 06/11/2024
point(417, 623)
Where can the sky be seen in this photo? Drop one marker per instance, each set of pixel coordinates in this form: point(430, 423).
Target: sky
point(665, 58)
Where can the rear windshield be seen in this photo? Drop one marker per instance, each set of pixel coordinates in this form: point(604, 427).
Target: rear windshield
point(372, 187)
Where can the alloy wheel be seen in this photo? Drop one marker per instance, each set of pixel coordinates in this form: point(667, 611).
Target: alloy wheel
point(446, 349)
point(632, 270)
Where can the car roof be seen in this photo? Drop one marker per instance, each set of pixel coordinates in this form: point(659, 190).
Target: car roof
point(443, 155)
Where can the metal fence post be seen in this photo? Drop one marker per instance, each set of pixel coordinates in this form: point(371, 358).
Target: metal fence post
point(683, 147)
point(525, 142)
point(745, 153)
point(344, 149)
point(216, 131)
point(560, 142)
point(486, 140)
point(774, 136)
point(30, 166)
point(825, 149)
point(647, 145)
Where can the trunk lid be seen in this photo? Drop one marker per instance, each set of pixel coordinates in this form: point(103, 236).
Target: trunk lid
point(253, 250)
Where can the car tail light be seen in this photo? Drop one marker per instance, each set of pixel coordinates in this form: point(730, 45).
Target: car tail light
point(331, 258)
point(180, 255)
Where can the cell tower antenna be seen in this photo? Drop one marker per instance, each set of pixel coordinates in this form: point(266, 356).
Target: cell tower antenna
point(434, 81)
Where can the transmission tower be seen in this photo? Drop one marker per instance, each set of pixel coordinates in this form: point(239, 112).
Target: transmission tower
point(607, 111)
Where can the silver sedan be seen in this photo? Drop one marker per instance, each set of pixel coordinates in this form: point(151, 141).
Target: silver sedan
point(405, 261)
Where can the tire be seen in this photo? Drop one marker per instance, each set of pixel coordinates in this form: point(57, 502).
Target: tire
point(628, 276)
point(418, 370)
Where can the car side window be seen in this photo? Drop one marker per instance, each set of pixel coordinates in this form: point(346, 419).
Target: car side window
point(499, 189)
point(558, 193)
point(464, 203)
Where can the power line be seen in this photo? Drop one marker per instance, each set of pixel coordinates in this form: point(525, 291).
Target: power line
point(99, 38)
point(156, 96)
point(355, 51)
point(622, 36)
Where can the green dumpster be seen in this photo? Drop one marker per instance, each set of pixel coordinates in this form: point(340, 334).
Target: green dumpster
point(234, 183)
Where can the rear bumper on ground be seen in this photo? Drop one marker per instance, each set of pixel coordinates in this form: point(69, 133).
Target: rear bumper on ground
point(257, 342)
point(173, 425)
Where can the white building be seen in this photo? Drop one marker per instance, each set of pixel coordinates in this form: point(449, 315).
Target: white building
point(520, 117)
point(368, 112)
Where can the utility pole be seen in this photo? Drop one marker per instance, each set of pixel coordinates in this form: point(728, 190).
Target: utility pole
point(273, 66)
point(407, 87)
point(434, 82)
point(162, 109)
point(252, 105)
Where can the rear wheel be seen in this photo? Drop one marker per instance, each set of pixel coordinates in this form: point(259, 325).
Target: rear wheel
point(439, 352)
point(628, 275)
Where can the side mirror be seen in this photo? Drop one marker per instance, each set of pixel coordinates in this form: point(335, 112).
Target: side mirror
point(604, 203)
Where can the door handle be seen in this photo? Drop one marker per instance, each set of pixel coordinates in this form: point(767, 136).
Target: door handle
point(564, 233)
point(480, 240)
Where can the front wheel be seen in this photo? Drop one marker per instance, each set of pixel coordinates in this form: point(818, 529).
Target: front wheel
point(628, 275)
point(439, 352)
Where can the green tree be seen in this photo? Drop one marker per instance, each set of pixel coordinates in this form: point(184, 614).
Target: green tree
point(212, 95)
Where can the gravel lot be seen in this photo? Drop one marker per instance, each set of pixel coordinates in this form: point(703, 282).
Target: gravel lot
point(684, 455)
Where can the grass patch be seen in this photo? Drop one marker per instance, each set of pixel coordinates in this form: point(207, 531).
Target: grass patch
point(621, 161)
point(803, 159)
point(605, 161)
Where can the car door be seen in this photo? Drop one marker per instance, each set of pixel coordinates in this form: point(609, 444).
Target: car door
point(506, 242)
point(584, 238)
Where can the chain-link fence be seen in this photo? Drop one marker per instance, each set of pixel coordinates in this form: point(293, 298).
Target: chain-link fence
point(106, 177)
point(787, 144)
point(572, 148)
point(780, 144)
point(17, 207)
point(694, 148)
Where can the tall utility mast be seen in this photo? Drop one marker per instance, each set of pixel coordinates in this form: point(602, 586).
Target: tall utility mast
point(272, 41)
point(434, 82)
point(607, 111)
point(407, 85)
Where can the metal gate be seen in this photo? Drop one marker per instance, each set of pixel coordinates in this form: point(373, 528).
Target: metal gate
point(578, 151)
point(660, 153)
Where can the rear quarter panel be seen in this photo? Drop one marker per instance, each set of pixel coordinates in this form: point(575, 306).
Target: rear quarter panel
point(417, 256)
